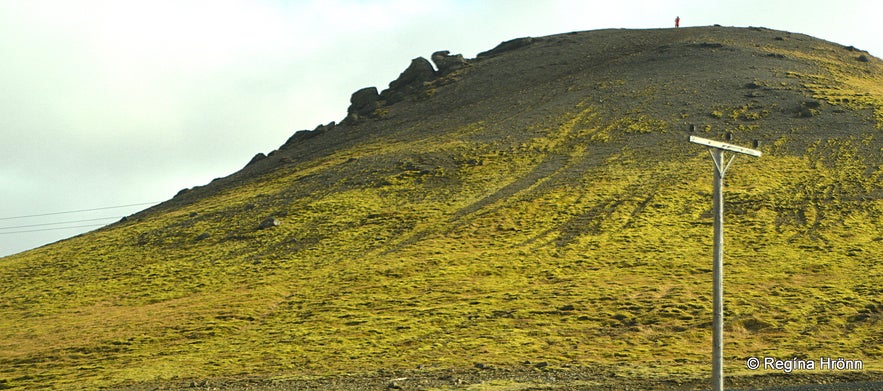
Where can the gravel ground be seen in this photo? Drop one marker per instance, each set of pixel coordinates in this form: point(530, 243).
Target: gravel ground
point(489, 378)
point(856, 386)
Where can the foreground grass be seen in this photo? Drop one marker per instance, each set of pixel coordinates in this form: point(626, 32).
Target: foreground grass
point(606, 265)
point(564, 242)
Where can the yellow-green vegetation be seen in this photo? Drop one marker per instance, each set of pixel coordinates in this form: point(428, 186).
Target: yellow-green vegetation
point(746, 112)
point(575, 237)
point(842, 79)
point(610, 266)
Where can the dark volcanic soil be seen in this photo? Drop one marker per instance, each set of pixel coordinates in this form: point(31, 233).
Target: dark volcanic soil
point(528, 377)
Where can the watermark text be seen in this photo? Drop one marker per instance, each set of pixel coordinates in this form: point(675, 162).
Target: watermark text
point(798, 364)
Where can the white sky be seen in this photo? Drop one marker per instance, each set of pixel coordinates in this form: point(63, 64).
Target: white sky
point(107, 103)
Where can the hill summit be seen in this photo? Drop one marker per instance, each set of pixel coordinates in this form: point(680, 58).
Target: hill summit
point(531, 217)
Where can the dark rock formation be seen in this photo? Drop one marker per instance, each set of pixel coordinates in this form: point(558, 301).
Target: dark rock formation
point(446, 63)
point(363, 103)
point(269, 222)
point(415, 75)
point(411, 80)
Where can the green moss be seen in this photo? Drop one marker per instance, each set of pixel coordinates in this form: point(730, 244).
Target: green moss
point(841, 82)
point(570, 245)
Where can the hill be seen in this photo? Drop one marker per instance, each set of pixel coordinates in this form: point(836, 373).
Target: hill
point(532, 214)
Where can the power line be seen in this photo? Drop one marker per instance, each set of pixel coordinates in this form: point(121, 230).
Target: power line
point(53, 229)
point(77, 211)
point(60, 222)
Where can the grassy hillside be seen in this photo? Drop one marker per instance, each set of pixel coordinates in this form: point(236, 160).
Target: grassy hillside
point(541, 205)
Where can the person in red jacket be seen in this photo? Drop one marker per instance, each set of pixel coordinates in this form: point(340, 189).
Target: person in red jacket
point(677, 22)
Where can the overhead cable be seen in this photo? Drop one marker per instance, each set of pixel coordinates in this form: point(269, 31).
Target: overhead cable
point(78, 211)
point(61, 222)
point(52, 229)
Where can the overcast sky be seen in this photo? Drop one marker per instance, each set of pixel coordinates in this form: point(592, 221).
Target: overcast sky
point(110, 103)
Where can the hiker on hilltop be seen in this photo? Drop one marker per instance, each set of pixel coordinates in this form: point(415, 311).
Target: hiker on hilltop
point(677, 22)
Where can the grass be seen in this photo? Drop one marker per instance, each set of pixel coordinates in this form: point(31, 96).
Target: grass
point(410, 272)
point(840, 81)
point(571, 245)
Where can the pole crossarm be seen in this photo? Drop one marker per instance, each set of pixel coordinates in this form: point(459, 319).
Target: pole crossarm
point(726, 147)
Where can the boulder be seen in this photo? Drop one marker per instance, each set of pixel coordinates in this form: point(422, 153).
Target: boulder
point(446, 63)
point(269, 222)
point(363, 103)
point(419, 72)
point(411, 80)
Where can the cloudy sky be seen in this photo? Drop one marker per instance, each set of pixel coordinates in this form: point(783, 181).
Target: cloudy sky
point(112, 103)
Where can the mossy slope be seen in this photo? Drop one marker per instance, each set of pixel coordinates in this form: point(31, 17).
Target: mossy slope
point(539, 205)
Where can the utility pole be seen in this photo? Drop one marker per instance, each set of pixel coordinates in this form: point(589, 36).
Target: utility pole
point(721, 164)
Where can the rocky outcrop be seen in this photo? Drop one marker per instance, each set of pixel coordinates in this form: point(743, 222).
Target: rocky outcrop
point(363, 103)
point(417, 73)
point(411, 80)
point(367, 103)
point(446, 63)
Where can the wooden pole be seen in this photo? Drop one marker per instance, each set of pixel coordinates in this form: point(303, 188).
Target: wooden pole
point(717, 343)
